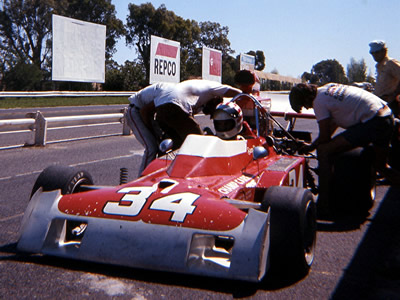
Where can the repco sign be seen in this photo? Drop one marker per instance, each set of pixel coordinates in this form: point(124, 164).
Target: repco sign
point(164, 60)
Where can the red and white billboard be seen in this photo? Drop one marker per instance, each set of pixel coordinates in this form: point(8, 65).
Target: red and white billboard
point(164, 60)
point(212, 64)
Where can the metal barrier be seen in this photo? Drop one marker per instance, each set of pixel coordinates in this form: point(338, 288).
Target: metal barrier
point(39, 124)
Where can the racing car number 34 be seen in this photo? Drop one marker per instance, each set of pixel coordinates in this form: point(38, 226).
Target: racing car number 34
point(135, 198)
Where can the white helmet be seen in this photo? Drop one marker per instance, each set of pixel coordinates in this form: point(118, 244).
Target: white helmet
point(228, 120)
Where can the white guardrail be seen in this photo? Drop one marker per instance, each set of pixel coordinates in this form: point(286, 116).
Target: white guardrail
point(38, 123)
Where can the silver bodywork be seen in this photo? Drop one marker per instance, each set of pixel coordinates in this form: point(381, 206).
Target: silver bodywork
point(241, 253)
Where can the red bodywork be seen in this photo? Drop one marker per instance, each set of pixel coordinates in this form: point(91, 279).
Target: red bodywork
point(189, 191)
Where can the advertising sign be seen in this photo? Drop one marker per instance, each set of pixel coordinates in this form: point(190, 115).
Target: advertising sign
point(247, 62)
point(164, 60)
point(78, 50)
point(212, 64)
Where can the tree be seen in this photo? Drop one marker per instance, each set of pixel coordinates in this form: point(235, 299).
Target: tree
point(357, 71)
point(127, 77)
point(260, 59)
point(216, 37)
point(95, 11)
point(326, 71)
point(25, 28)
point(133, 76)
point(144, 20)
point(16, 79)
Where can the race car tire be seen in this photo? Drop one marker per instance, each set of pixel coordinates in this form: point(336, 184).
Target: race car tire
point(292, 230)
point(354, 183)
point(67, 179)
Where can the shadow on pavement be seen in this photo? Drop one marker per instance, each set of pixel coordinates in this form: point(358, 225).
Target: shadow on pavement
point(238, 289)
point(374, 272)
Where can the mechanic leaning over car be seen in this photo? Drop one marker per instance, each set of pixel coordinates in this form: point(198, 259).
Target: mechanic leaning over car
point(366, 118)
point(173, 106)
point(141, 116)
point(175, 113)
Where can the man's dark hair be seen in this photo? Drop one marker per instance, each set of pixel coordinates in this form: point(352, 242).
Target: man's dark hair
point(244, 77)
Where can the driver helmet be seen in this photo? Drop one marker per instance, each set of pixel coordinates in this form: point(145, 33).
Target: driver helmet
point(228, 120)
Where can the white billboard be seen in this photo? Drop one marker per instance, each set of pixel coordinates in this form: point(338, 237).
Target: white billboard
point(247, 62)
point(212, 64)
point(78, 50)
point(165, 60)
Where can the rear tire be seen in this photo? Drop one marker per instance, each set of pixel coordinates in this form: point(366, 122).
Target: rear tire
point(293, 230)
point(67, 179)
point(354, 182)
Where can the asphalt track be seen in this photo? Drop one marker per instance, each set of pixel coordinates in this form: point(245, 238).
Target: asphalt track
point(354, 259)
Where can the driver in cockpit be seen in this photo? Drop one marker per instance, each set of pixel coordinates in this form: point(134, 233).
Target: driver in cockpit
point(228, 122)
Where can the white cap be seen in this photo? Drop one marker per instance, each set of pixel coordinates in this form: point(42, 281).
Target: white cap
point(376, 46)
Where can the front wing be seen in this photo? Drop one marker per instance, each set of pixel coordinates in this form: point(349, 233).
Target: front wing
point(240, 253)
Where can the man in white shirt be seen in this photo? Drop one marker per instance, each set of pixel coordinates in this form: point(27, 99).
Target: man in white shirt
point(140, 118)
point(366, 118)
point(175, 113)
point(175, 106)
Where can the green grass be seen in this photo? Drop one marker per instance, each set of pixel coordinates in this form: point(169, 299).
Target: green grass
point(34, 102)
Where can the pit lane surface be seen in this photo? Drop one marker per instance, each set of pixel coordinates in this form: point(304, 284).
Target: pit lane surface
point(354, 260)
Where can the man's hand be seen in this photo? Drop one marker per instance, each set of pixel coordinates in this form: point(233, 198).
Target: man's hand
point(306, 148)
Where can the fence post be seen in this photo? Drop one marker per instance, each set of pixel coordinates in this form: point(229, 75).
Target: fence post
point(40, 129)
point(125, 128)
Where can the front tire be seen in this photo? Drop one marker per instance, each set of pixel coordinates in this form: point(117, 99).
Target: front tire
point(292, 230)
point(67, 179)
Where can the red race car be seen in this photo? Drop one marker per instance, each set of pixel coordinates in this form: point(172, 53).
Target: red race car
point(233, 209)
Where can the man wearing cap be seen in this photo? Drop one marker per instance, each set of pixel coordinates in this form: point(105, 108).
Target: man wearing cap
point(388, 75)
point(366, 118)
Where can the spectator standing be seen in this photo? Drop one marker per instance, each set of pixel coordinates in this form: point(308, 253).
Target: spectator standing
point(387, 85)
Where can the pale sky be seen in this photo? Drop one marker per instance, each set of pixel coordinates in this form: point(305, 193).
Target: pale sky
point(294, 35)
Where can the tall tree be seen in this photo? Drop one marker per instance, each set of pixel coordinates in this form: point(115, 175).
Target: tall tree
point(326, 71)
point(95, 11)
point(25, 28)
point(260, 59)
point(215, 36)
point(357, 71)
point(144, 20)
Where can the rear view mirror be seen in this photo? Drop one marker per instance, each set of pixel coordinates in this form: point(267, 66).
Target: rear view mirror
point(166, 145)
point(259, 152)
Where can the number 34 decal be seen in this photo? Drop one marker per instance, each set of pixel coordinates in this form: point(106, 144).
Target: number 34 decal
point(135, 198)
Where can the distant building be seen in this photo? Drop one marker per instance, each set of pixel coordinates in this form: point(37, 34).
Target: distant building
point(276, 82)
